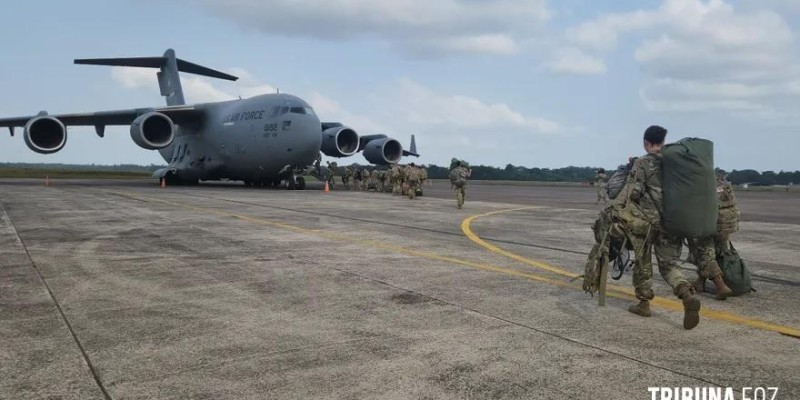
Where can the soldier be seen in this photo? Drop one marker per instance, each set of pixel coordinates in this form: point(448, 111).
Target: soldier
point(401, 177)
point(331, 174)
point(366, 178)
point(641, 208)
point(382, 181)
point(412, 175)
point(423, 175)
point(601, 181)
point(704, 251)
point(356, 178)
point(348, 173)
point(394, 179)
point(458, 179)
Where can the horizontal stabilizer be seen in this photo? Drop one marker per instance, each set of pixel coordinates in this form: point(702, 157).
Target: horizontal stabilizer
point(157, 62)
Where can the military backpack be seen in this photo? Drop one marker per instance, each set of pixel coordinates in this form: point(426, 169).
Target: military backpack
point(457, 177)
point(734, 271)
point(689, 188)
point(617, 181)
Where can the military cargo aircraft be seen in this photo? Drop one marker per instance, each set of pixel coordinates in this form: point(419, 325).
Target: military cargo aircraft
point(266, 140)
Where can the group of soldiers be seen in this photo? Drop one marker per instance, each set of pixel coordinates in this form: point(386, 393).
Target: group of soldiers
point(638, 209)
point(400, 180)
point(405, 180)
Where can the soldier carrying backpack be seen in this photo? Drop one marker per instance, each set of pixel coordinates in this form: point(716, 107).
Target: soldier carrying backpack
point(458, 180)
point(715, 256)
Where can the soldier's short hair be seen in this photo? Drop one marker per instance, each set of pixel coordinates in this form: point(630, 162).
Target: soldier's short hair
point(655, 134)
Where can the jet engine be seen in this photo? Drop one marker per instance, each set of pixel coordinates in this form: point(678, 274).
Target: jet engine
point(339, 141)
point(383, 151)
point(45, 135)
point(153, 131)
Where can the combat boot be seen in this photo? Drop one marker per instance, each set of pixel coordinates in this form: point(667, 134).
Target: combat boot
point(643, 308)
point(723, 291)
point(691, 306)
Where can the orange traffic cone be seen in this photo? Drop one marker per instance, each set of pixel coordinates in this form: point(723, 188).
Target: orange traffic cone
point(327, 187)
point(163, 183)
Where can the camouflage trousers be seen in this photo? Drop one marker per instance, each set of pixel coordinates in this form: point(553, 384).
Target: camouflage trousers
point(461, 194)
point(668, 250)
point(346, 183)
point(356, 184)
point(703, 253)
point(412, 189)
point(602, 193)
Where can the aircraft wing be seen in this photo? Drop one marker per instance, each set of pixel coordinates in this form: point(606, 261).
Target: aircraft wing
point(178, 114)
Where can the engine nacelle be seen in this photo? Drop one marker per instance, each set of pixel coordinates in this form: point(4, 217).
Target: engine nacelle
point(153, 131)
point(383, 151)
point(339, 141)
point(45, 135)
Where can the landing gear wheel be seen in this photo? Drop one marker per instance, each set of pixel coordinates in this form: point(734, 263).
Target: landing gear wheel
point(301, 183)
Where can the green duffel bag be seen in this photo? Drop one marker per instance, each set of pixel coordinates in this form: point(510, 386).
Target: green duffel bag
point(734, 271)
point(689, 188)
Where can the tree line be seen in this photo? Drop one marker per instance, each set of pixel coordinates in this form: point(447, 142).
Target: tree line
point(480, 172)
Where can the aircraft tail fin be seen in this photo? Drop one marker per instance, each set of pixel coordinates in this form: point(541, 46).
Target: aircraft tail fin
point(412, 150)
point(168, 78)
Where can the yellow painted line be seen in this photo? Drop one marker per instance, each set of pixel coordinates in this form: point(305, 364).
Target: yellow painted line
point(618, 291)
point(664, 303)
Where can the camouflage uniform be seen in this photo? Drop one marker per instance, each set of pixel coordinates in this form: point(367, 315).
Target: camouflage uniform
point(601, 181)
point(366, 178)
point(392, 178)
point(704, 251)
point(458, 178)
point(348, 173)
point(401, 179)
point(643, 192)
point(412, 175)
point(331, 173)
point(356, 179)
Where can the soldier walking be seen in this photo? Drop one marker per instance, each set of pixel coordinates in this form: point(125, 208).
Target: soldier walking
point(641, 205)
point(458, 179)
point(601, 181)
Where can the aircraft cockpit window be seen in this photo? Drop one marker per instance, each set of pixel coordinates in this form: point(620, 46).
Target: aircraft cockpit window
point(284, 110)
point(275, 111)
point(302, 110)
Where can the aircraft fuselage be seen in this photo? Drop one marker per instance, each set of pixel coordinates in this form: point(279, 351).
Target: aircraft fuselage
point(255, 139)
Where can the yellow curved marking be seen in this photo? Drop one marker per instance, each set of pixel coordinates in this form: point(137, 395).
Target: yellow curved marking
point(619, 291)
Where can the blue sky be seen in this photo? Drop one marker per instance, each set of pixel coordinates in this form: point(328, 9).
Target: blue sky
point(528, 82)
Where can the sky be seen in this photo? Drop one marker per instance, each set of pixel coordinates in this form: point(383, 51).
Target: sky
point(538, 83)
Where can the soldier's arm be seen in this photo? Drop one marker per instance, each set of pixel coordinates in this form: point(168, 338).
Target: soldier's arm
point(637, 179)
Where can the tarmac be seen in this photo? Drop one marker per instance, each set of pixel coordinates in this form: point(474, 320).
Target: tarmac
point(114, 289)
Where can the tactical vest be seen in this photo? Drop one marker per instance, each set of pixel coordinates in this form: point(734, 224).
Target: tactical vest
point(728, 214)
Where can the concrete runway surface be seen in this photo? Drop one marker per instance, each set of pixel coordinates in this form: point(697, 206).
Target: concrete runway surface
point(122, 290)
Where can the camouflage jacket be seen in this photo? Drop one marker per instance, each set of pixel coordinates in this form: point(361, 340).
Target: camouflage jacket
point(643, 188)
point(459, 175)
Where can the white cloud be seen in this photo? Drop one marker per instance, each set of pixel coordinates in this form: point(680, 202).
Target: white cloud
point(575, 61)
point(704, 55)
point(418, 26)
